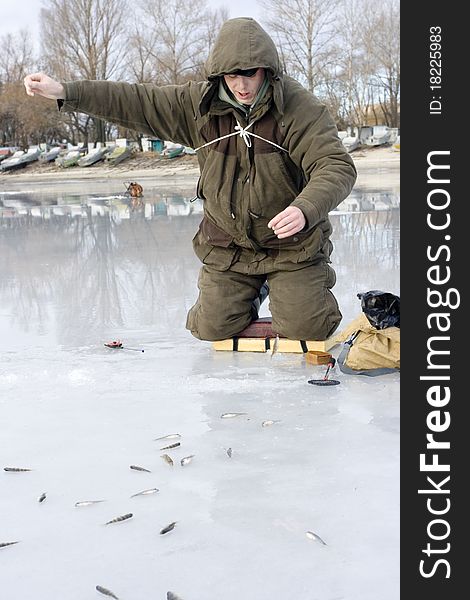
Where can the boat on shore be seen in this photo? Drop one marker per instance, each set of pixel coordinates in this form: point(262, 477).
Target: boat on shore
point(50, 155)
point(70, 159)
point(380, 135)
point(6, 153)
point(20, 159)
point(93, 156)
point(119, 154)
point(172, 150)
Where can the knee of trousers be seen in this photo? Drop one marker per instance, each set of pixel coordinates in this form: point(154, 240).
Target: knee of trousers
point(215, 326)
point(317, 324)
point(319, 328)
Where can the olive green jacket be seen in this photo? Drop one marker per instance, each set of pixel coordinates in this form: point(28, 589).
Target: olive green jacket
point(294, 156)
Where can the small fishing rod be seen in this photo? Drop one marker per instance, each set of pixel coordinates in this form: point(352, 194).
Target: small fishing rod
point(118, 344)
point(325, 380)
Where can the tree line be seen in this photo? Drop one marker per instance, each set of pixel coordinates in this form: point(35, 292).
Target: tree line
point(346, 52)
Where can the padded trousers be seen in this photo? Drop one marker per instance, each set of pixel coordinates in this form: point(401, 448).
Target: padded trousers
point(300, 301)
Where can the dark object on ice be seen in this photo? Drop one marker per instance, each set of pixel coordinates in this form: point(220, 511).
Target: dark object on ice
point(16, 469)
point(134, 189)
point(172, 596)
point(325, 380)
point(115, 344)
point(382, 309)
point(137, 468)
point(171, 446)
point(118, 344)
point(106, 592)
point(168, 528)
point(5, 544)
point(120, 518)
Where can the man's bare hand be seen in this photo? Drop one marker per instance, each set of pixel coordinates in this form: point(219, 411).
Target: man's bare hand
point(43, 85)
point(289, 221)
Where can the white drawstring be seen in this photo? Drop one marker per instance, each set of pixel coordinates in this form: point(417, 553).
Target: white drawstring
point(244, 134)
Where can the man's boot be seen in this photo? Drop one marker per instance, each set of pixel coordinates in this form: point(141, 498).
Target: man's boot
point(257, 302)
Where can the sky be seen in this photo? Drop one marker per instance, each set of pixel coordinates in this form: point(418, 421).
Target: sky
point(26, 14)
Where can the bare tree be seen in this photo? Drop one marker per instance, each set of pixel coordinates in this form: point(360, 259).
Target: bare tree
point(349, 83)
point(16, 59)
point(211, 27)
point(347, 52)
point(16, 56)
point(305, 30)
point(381, 38)
point(173, 35)
point(141, 65)
point(85, 39)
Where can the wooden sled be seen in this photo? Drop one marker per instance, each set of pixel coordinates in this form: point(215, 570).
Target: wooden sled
point(259, 337)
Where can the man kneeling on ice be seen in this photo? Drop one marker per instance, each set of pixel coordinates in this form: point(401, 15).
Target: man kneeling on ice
point(272, 167)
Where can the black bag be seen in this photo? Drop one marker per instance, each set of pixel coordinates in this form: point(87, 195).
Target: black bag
point(382, 309)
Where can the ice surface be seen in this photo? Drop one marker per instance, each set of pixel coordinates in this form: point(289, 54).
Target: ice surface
point(82, 269)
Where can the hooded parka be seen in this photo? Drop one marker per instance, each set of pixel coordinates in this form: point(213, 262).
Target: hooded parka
point(254, 162)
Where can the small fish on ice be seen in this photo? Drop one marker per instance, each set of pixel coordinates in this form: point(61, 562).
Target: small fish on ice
point(186, 460)
point(106, 592)
point(315, 537)
point(120, 518)
point(171, 446)
point(170, 436)
point(137, 468)
point(146, 492)
point(16, 469)
point(269, 422)
point(168, 528)
point(275, 345)
point(231, 415)
point(5, 544)
point(87, 502)
point(167, 459)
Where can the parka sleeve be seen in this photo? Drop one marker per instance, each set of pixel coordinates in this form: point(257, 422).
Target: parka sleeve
point(329, 170)
point(166, 112)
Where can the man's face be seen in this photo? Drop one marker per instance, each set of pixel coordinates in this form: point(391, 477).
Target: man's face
point(244, 89)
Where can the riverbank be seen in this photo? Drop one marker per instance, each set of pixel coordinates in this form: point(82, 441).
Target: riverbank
point(377, 167)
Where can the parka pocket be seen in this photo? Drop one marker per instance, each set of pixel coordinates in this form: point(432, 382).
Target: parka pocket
point(214, 234)
point(214, 247)
point(265, 237)
point(298, 248)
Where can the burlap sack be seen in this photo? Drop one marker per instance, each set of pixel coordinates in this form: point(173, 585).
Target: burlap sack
point(372, 348)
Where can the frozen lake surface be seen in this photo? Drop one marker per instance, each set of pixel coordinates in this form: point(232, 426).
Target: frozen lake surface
point(79, 269)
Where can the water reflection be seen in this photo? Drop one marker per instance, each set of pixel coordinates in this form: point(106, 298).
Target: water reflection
point(83, 265)
point(360, 200)
point(41, 204)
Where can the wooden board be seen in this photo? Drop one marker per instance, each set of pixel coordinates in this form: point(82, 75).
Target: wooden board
point(264, 345)
point(315, 357)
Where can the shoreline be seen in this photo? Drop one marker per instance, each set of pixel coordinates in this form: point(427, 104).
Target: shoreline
point(376, 167)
